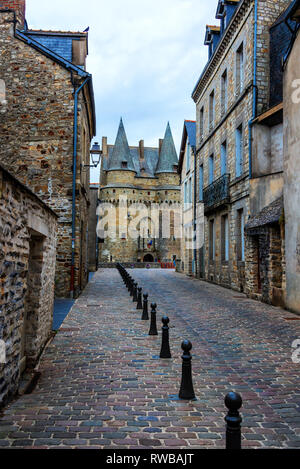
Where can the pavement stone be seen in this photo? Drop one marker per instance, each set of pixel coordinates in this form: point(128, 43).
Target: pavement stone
point(103, 385)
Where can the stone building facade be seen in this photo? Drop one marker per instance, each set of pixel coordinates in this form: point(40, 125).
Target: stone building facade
point(47, 130)
point(232, 90)
point(135, 181)
point(291, 142)
point(93, 239)
point(28, 230)
point(265, 230)
point(186, 170)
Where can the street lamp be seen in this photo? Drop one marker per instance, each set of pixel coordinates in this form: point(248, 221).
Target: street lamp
point(96, 156)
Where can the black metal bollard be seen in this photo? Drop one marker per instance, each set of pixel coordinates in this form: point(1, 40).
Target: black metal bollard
point(165, 344)
point(145, 316)
point(153, 327)
point(135, 289)
point(233, 402)
point(139, 299)
point(186, 389)
point(131, 287)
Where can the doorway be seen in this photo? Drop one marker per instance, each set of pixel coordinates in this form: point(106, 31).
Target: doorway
point(148, 258)
point(32, 303)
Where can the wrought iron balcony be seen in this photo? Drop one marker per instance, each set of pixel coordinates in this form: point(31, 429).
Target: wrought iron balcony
point(216, 194)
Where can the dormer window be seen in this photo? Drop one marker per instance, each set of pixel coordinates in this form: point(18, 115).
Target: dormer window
point(124, 164)
point(225, 12)
point(212, 38)
point(221, 13)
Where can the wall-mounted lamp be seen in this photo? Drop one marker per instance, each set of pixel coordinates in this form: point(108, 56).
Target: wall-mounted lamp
point(95, 155)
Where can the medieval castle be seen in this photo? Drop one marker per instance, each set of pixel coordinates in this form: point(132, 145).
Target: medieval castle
point(145, 177)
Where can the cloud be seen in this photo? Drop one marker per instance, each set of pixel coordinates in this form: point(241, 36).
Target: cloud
point(145, 57)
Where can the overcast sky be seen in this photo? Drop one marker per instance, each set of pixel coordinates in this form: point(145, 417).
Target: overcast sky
point(145, 57)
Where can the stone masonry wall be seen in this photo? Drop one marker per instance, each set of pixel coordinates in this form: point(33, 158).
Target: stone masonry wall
point(187, 253)
point(37, 141)
point(27, 267)
point(231, 273)
point(228, 273)
point(139, 191)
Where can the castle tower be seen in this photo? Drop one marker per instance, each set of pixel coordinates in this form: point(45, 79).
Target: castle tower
point(120, 164)
point(167, 164)
point(139, 177)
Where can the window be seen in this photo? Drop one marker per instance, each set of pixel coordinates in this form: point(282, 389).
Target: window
point(240, 235)
point(211, 110)
point(201, 183)
point(224, 93)
point(185, 193)
point(124, 164)
point(224, 158)
point(240, 69)
point(212, 250)
point(201, 123)
point(211, 169)
point(188, 157)
point(239, 151)
point(190, 191)
point(225, 238)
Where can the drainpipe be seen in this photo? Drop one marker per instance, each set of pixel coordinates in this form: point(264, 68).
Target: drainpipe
point(250, 124)
point(76, 93)
point(195, 210)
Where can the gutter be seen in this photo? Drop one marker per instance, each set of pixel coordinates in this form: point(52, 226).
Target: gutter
point(254, 104)
point(76, 93)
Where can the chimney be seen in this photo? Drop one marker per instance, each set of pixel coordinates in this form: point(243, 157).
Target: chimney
point(142, 149)
point(160, 144)
point(104, 146)
point(79, 52)
point(19, 6)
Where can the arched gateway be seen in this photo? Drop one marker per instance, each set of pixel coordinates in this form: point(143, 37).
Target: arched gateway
point(148, 258)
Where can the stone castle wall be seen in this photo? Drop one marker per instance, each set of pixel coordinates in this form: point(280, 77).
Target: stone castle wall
point(125, 249)
point(138, 190)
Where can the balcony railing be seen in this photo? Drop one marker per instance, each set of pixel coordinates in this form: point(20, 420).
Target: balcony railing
point(216, 194)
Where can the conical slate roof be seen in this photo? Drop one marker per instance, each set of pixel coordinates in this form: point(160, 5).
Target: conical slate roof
point(168, 156)
point(121, 159)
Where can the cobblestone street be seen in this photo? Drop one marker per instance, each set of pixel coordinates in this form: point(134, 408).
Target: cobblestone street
point(102, 384)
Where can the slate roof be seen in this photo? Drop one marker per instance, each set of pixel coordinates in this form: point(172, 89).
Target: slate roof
point(149, 163)
point(168, 156)
point(269, 215)
point(144, 167)
point(58, 42)
point(121, 153)
point(189, 132)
